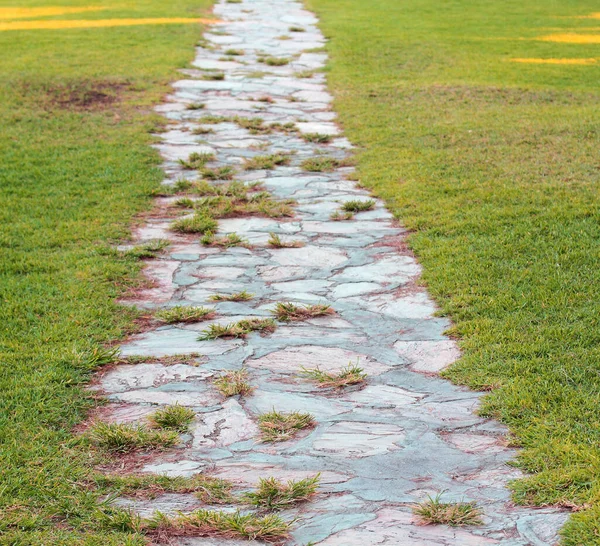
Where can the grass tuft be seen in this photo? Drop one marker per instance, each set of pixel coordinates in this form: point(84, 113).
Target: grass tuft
point(236, 296)
point(290, 312)
point(147, 250)
point(234, 52)
point(184, 313)
point(229, 241)
point(295, 28)
point(177, 418)
point(274, 61)
point(195, 106)
point(358, 206)
point(213, 76)
point(339, 216)
point(320, 164)
point(238, 329)
point(196, 160)
point(455, 514)
point(225, 172)
point(350, 375)
point(199, 223)
point(272, 494)
point(318, 138)
point(234, 383)
point(267, 162)
point(276, 242)
point(124, 438)
point(202, 523)
point(278, 427)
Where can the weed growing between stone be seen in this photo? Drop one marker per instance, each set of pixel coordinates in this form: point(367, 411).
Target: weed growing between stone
point(198, 223)
point(147, 250)
point(184, 313)
point(358, 206)
point(267, 162)
point(124, 438)
point(339, 216)
point(288, 312)
point(177, 418)
point(278, 427)
point(148, 486)
point(273, 494)
point(455, 514)
point(349, 375)
point(195, 106)
point(218, 524)
point(196, 160)
point(274, 61)
point(234, 383)
point(275, 241)
point(238, 329)
point(228, 241)
point(236, 296)
point(320, 164)
point(317, 138)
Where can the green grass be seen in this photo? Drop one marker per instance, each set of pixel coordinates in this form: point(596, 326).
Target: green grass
point(273, 494)
point(124, 438)
point(455, 514)
point(184, 313)
point(73, 172)
point(176, 417)
point(493, 166)
point(277, 426)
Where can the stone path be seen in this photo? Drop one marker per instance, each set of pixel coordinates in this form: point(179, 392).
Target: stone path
point(379, 448)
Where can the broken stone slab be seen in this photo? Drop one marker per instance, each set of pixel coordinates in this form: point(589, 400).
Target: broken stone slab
point(309, 256)
point(429, 356)
point(358, 439)
point(327, 359)
point(140, 376)
point(224, 427)
point(183, 468)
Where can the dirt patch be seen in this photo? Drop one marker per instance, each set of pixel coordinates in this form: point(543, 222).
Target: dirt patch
point(86, 95)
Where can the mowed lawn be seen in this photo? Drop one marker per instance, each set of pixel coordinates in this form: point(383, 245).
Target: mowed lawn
point(494, 165)
point(75, 167)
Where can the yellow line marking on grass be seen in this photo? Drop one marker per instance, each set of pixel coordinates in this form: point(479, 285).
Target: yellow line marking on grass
point(21, 13)
point(570, 38)
point(555, 61)
point(76, 23)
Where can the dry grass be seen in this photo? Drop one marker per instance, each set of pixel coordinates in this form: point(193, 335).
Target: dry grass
point(278, 427)
point(234, 383)
point(290, 312)
point(455, 514)
point(338, 216)
point(350, 375)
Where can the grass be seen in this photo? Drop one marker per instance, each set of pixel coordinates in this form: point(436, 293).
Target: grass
point(76, 168)
point(290, 312)
point(149, 486)
point(234, 52)
point(320, 164)
point(238, 329)
point(267, 162)
point(124, 438)
point(275, 241)
point(195, 106)
point(236, 296)
point(339, 215)
point(279, 427)
point(219, 524)
point(198, 223)
point(295, 28)
point(148, 250)
point(196, 160)
point(228, 241)
point(274, 61)
point(202, 130)
point(349, 375)
point(234, 383)
point(492, 166)
point(273, 495)
point(455, 514)
point(176, 417)
point(304, 73)
point(184, 313)
point(213, 120)
point(213, 76)
point(358, 206)
point(218, 173)
point(317, 138)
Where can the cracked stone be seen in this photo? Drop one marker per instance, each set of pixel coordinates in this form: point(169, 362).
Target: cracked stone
point(428, 356)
